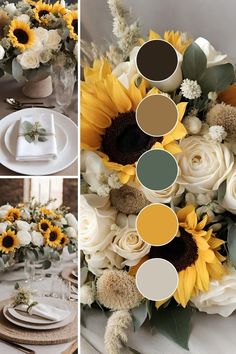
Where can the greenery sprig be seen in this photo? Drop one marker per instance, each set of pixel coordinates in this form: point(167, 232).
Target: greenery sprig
point(34, 132)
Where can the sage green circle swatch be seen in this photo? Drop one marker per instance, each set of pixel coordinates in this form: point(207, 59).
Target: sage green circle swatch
point(157, 169)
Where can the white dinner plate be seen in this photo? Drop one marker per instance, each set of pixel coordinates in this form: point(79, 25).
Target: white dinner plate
point(10, 138)
point(41, 327)
point(64, 159)
point(26, 317)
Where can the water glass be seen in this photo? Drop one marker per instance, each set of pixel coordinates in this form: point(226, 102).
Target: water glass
point(63, 82)
point(29, 270)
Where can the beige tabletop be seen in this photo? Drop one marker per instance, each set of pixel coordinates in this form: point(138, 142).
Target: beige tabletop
point(10, 88)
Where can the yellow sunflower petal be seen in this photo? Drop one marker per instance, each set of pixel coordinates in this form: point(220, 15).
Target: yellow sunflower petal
point(118, 94)
point(181, 110)
point(189, 283)
point(90, 139)
point(173, 148)
point(153, 35)
point(202, 223)
point(95, 116)
point(182, 213)
point(179, 294)
point(202, 279)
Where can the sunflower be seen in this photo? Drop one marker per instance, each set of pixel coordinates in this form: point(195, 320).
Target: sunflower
point(41, 10)
point(178, 39)
point(195, 255)
point(21, 35)
point(71, 19)
point(13, 214)
point(44, 225)
point(53, 236)
point(58, 9)
point(8, 241)
point(108, 123)
point(46, 211)
point(63, 241)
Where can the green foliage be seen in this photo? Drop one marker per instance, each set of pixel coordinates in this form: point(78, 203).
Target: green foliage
point(194, 62)
point(139, 315)
point(231, 242)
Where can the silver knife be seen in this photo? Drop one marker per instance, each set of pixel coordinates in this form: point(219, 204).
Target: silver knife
point(19, 347)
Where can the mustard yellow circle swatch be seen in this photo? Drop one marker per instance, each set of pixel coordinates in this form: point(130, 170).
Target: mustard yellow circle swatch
point(157, 224)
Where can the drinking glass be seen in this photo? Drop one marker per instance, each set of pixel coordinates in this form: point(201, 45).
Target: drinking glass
point(29, 270)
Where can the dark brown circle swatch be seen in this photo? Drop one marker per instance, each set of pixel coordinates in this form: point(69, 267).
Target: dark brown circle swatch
point(157, 60)
point(157, 115)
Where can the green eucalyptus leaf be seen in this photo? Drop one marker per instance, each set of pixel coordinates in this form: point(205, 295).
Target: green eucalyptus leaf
point(29, 139)
point(139, 315)
point(2, 264)
point(221, 191)
point(231, 243)
point(42, 131)
point(17, 71)
point(31, 255)
point(217, 78)
point(46, 264)
point(71, 248)
point(27, 125)
point(194, 62)
point(42, 138)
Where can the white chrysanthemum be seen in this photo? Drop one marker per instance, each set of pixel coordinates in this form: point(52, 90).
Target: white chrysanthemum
point(217, 133)
point(190, 89)
point(114, 181)
point(212, 96)
point(192, 124)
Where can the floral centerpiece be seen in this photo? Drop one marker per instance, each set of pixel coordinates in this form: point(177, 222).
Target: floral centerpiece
point(35, 231)
point(203, 197)
point(33, 33)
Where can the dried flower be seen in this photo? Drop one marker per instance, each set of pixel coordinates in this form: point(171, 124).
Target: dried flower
point(116, 290)
point(212, 96)
point(116, 331)
point(190, 89)
point(216, 133)
point(128, 200)
point(192, 124)
point(87, 293)
point(225, 116)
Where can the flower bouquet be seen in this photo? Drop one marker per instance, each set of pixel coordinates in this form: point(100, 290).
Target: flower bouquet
point(33, 33)
point(203, 197)
point(34, 231)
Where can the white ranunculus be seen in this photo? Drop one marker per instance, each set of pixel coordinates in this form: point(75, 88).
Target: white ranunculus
point(87, 293)
point(10, 9)
point(3, 226)
point(229, 200)
point(22, 225)
point(53, 40)
point(171, 194)
point(4, 209)
point(37, 238)
point(203, 164)
point(100, 261)
point(213, 56)
point(95, 226)
point(45, 56)
point(2, 52)
point(23, 18)
point(41, 34)
point(220, 298)
point(24, 237)
point(72, 221)
point(71, 233)
point(127, 243)
point(29, 59)
point(125, 71)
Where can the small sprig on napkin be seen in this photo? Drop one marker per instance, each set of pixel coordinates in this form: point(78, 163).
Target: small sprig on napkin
point(34, 132)
point(23, 296)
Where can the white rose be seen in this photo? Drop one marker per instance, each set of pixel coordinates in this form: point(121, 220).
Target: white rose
point(95, 226)
point(37, 238)
point(127, 243)
point(203, 164)
point(3, 226)
point(71, 232)
point(24, 237)
point(45, 56)
point(53, 40)
point(25, 214)
point(125, 71)
point(41, 34)
point(72, 221)
point(100, 261)
point(213, 56)
point(220, 298)
point(22, 225)
point(171, 194)
point(29, 59)
point(23, 18)
point(2, 52)
point(229, 200)
point(87, 293)
point(4, 209)
point(10, 9)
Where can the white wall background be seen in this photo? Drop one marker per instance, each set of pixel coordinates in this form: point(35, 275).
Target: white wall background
point(213, 19)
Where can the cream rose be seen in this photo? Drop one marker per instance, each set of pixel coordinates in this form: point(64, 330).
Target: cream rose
point(37, 238)
point(100, 261)
point(2, 52)
point(72, 221)
point(127, 242)
point(22, 225)
point(45, 56)
point(23, 237)
point(4, 209)
point(29, 59)
point(173, 193)
point(3, 226)
point(203, 164)
point(41, 34)
point(24, 18)
point(53, 40)
point(229, 200)
point(213, 56)
point(220, 298)
point(95, 225)
point(10, 9)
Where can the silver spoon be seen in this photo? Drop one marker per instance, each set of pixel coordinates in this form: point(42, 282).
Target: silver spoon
point(18, 108)
point(14, 102)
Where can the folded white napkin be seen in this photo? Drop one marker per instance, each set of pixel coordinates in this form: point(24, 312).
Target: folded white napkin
point(37, 151)
point(46, 311)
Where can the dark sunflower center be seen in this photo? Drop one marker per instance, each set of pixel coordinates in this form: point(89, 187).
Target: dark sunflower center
point(74, 24)
point(63, 240)
point(53, 236)
point(124, 142)
point(8, 241)
point(181, 252)
point(43, 13)
point(21, 36)
point(44, 226)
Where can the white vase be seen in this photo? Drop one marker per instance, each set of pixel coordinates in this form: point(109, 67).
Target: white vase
point(38, 88)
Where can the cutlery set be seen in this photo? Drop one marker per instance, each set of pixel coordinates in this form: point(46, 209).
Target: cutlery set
point(17, 105)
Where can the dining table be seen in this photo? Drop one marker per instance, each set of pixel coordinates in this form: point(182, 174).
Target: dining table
point(8, 279)
point(10, 88)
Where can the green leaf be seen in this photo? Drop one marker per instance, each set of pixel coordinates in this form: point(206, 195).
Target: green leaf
point(174, 323)
point(83, 275)
point(231, 243)
point(17, 71)
point(42, 131)
point(27, 125)
point(2, 264)
point(46, 264)
point(139, 315)
point(150, 306)
point(217, 78)
point(71, 248)
point(30, 255)
point(221, 191)
point(34, 303)
point(29, 139)
point(42, 139)
point(194, 62)
point(17, 286)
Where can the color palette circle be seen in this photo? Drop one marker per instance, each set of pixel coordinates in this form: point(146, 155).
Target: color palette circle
point(157, 224)
point(157, 60)
point(157, 169)
point(157, 279)
point(157, 115)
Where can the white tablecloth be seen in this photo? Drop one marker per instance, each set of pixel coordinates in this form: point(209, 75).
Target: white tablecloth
point(210, 334)
point(7, 288)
